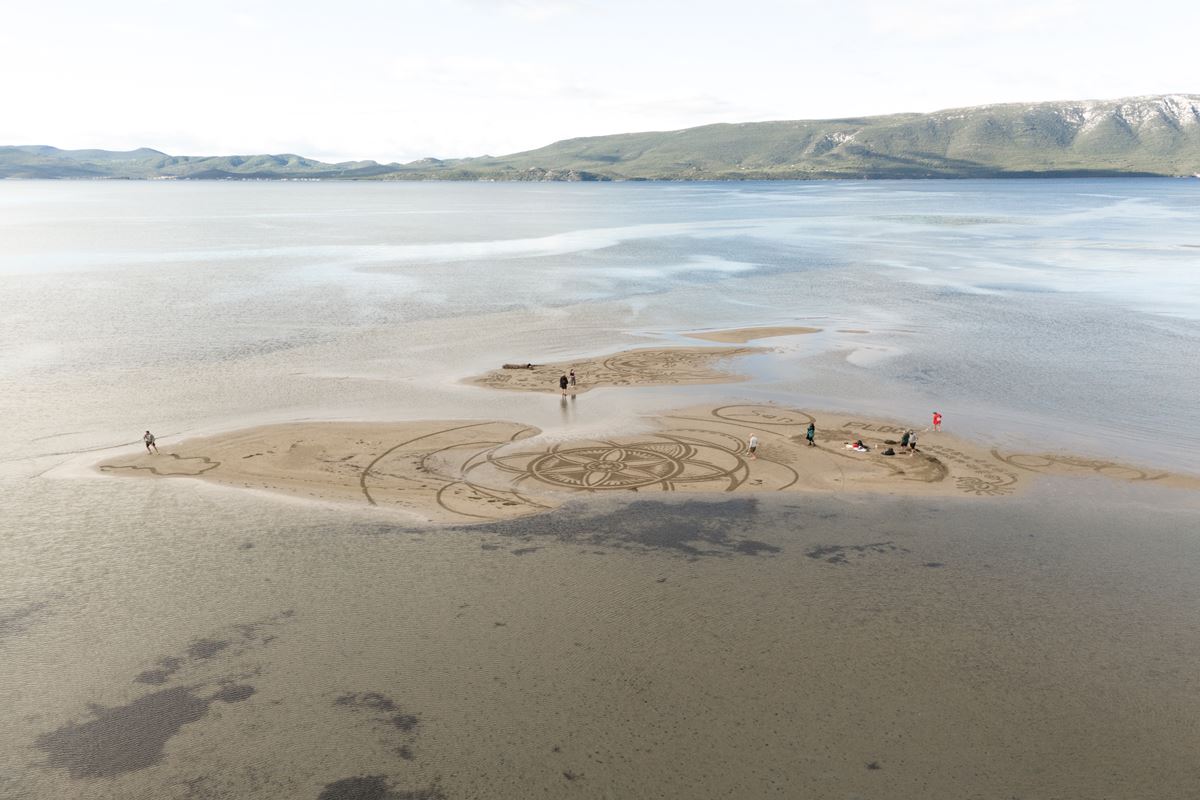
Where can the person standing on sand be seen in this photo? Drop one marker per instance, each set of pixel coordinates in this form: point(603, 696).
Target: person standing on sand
point(912, 444)
point(811, 433)
point(149, 440)
point(937, 420)
point(753, 446)
point(562, 384)
point(905, 438)
point(572, 379)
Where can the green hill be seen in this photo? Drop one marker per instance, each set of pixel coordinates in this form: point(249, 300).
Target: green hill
point(40, 161)
point(1157, 135)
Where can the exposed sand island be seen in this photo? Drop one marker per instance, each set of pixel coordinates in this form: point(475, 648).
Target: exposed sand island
point(669, 366)
point(462, 471)
point(743, 335)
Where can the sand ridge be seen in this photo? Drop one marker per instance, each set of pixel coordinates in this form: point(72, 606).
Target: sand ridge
point(664, 366)
point(463, 471)
point(743, 335)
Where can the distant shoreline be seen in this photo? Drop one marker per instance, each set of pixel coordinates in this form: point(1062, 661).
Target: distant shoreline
point(1152, 136)
point(1039, 176)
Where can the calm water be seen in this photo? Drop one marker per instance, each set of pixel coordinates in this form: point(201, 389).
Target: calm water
point(1064, 314)
point(605, 659)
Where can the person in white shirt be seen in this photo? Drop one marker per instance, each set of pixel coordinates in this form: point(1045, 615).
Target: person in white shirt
point(753, 446)
point(149, 440)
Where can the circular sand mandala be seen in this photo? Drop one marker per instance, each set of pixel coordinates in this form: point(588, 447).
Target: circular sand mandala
point(763, 415)
point(660, 366)
point(663, 462)
point(612, 467)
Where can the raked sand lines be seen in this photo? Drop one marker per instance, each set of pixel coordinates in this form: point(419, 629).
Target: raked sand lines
point(463, 470)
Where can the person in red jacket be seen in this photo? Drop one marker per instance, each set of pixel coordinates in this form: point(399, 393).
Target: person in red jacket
point(937, 420)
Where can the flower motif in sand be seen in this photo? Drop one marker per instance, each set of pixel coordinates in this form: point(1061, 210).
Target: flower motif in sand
point(662, 462)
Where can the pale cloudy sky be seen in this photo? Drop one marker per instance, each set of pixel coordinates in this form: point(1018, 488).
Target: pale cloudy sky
point(411, 78)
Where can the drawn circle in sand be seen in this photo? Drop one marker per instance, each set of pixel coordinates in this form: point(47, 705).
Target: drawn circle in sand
point(763, 415)
point(1028, 461)
point(614, 467)
point(664, 461)
point(666, 364)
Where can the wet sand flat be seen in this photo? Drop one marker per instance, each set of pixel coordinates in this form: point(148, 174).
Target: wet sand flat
point(464, 470)
point(743, 335)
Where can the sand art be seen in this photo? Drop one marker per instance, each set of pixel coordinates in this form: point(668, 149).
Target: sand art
point(652, 367)
point(462, 471)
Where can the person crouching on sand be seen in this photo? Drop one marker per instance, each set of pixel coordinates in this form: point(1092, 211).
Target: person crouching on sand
point(149, 440)
point(562, 384)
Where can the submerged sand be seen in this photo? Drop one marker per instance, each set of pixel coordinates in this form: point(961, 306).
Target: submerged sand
point(743, 335)
point(464, 470)
point(665, 366)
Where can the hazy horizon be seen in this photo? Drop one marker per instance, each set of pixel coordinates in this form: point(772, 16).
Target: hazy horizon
point(581, 136)
point(471, 77)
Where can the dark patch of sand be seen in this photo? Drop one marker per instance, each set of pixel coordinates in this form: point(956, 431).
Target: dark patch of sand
point(16, 621)
point(234, 694)
point(375, 787)
point(367, 787)
point(131, 737)
point(693, 528)
point(206, 648)
point(123, 739)
point(167, 667)
point(377, 701)
point(248, 634)
point(839, 553)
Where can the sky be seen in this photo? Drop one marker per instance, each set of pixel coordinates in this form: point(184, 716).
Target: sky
point(401, 80)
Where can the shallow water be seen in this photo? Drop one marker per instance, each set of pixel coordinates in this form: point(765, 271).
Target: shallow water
point(1061, 313)
point(194, 642)
point(265, 647)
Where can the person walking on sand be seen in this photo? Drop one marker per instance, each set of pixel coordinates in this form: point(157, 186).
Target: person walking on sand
point(562, 384)
point(753, 446)
point(905, 438)
point(572, 379)
point(149, 440)
point(811, 433)
point(912, 444)
point(937, 420)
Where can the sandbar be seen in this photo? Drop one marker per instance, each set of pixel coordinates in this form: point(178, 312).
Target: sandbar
point(669, 366)
point(459, 471)
point(743, 335)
